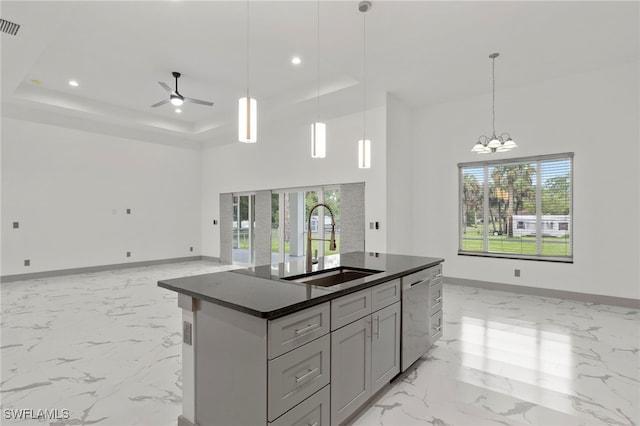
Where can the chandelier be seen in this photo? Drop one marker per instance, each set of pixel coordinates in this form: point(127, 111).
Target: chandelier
point(502, 143)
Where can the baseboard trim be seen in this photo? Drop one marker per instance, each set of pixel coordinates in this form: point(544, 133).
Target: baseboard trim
point(99, 268)
point(182, 421)
point(547, 292)
point(211, 258)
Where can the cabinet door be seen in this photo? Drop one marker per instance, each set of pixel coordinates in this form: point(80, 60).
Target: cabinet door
point(350, 368)
point(385, 347)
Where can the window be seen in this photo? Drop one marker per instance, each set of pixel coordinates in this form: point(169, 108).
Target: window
point(517, 208)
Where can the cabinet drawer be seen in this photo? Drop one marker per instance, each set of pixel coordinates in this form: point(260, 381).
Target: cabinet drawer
point(350, 308)
point(436, 326)
point(436, 297)
point(416, 277)
point(385, 294)
point(298, 374)
point(436, 272)
point(313, 411)
point(292, 331)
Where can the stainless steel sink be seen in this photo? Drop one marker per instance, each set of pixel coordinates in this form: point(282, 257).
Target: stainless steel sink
point(332, 277)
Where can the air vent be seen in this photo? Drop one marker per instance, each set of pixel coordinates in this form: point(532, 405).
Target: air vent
point(9, 27)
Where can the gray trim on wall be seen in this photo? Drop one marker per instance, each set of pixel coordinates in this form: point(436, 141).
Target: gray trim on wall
point(226, 228)
point(182, 421)
point(547, 292)
point(262, 236)
point(352, 222)
point(99, 268)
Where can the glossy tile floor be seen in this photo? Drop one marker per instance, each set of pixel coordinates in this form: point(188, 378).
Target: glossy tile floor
point(106, 347)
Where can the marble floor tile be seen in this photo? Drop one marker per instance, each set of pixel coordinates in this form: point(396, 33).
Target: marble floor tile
point(106, 347)
point(514, 359)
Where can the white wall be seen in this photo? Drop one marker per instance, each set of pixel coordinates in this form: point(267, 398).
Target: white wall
point(70, 189)
point(282, 159)
point(400, 200)
point(596, 116)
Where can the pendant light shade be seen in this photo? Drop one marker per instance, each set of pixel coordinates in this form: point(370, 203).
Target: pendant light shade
point(247, 120)
point(247, 106)
point(502, 143)
point(364, 154)
point(318, 140)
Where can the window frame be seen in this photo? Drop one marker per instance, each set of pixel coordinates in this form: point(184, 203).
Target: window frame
point(485, 164)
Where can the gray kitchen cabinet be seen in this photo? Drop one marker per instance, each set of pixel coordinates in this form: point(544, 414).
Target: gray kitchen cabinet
point(365, 354)
point(350, 368)
point(385, 347)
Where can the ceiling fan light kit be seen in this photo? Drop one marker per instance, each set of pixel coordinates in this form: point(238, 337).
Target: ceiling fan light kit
point(175, 97)
point(502, 143)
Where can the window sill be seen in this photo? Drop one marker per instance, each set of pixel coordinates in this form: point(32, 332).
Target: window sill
point(517, 256)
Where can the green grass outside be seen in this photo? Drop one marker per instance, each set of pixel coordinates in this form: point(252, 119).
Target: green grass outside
point(551, 246)
point(244, 243)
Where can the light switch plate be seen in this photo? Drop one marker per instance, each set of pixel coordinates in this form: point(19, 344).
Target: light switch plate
point(16, 225)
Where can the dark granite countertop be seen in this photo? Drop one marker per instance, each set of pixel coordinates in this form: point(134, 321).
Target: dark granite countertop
point(263, 291)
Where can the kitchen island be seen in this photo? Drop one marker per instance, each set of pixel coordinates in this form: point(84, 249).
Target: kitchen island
point(278, 345)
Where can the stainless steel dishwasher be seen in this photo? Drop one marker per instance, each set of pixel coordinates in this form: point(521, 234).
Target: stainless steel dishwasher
point(415, 317)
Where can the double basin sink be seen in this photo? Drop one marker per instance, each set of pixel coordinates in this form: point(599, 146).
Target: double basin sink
point(332, 277)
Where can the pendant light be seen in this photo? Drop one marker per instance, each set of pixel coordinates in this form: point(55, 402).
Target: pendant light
point(318, 129)
point(247, 107)
point(502, 143)
point(364, 144)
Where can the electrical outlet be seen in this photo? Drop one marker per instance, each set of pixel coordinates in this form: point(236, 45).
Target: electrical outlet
point(516, 272)
point(128, 211)
point(190, 248)
point(16, 225)
point(128, 254)
point(27, 262)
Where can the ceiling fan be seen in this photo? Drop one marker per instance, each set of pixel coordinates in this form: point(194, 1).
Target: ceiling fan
point(175, 97)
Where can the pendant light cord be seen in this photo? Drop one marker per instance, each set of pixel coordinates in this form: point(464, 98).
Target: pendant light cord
point(364, 76)
point(247, 51)
point(318, 65)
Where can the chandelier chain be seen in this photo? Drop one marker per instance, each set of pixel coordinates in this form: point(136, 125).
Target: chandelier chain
point(493, 107)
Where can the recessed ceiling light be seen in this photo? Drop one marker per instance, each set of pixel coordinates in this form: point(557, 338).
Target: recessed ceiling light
point(73, 83)
point(178, 110)
point(296, 60)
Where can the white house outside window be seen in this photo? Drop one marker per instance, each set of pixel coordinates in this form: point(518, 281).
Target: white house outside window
point(517, 208)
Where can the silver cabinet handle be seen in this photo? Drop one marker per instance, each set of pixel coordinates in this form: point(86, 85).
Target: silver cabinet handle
point(438, 275)
point(377, 320)
point(305, 375)
point(369, 328)
point(439, 299)
point(307, 328)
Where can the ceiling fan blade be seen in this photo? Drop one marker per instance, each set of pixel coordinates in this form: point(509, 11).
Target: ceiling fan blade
point(157, 104)
point(198, 101)
point(165, 87)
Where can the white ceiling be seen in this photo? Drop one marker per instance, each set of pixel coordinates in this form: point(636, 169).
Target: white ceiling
point(423, 52)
